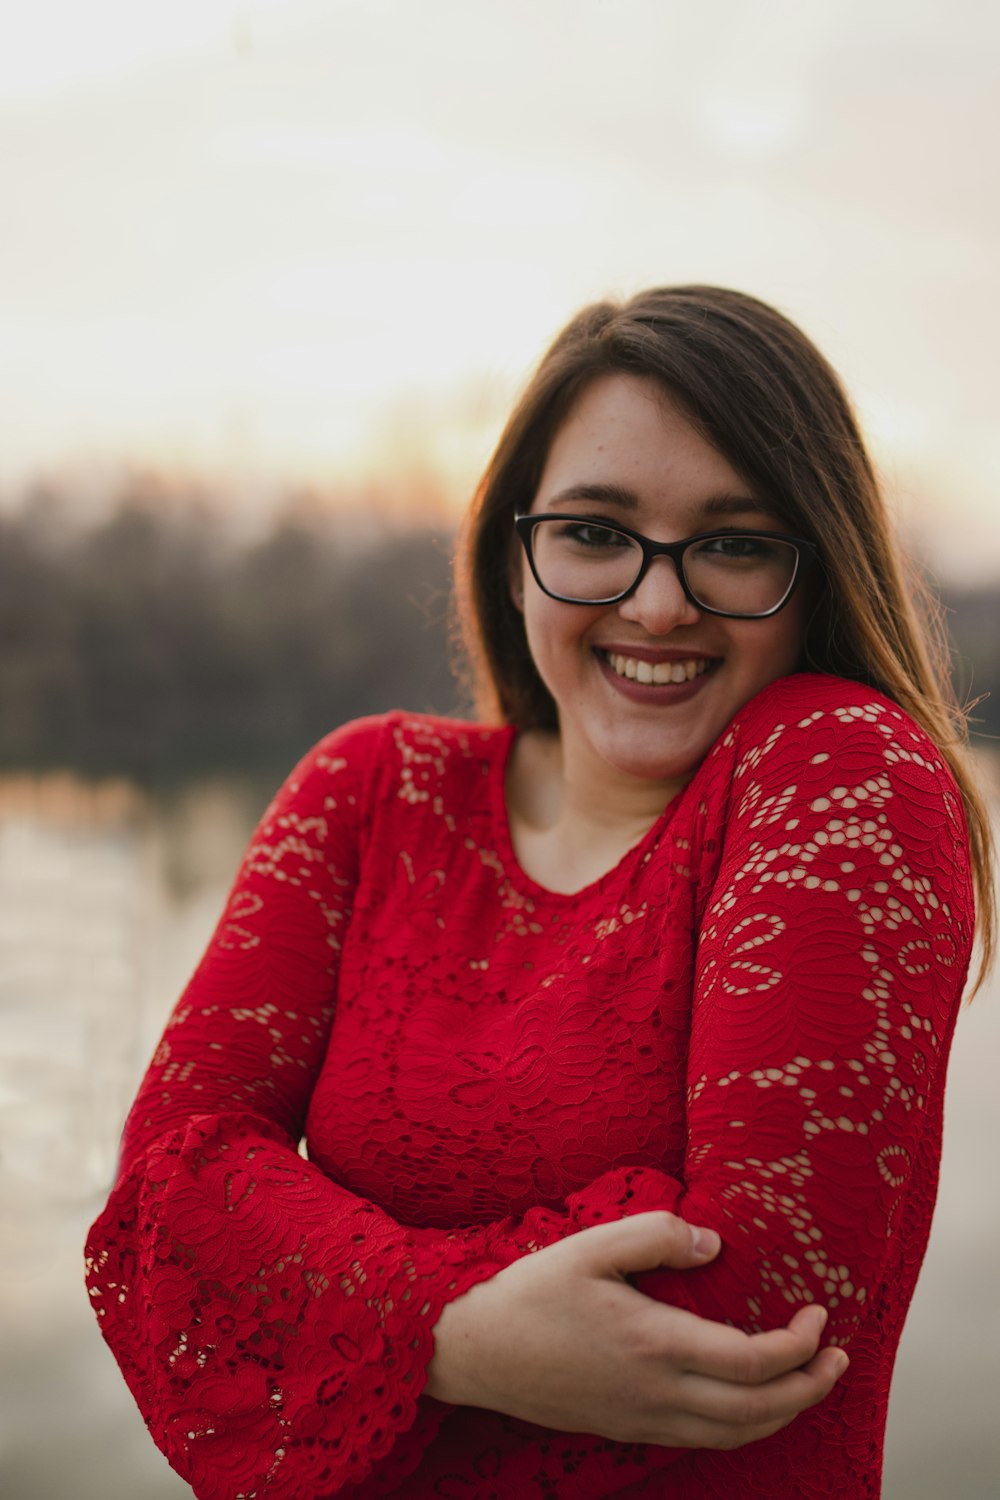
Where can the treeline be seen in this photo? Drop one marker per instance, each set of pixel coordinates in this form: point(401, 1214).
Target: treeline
point(973, 621)
point(154, 644)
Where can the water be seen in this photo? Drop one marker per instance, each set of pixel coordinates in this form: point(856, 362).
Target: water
point(106, 902)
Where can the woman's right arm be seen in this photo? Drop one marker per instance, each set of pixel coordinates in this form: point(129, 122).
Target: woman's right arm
point(562, 1339)
point(274, 1328)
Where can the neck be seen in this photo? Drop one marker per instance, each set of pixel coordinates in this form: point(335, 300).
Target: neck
point(601, 798)
point(572, 822)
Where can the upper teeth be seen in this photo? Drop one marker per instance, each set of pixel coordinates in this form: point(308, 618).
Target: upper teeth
point(660, 671)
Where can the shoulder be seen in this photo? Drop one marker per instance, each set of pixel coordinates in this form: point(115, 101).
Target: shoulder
point(811, 719)
point(401, 735)
point(807, 699)
point(395, 753)
point(826, 763)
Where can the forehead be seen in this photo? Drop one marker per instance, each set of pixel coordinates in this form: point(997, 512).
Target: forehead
point(627, 433)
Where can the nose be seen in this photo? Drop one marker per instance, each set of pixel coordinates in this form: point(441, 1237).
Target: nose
point(660, 604)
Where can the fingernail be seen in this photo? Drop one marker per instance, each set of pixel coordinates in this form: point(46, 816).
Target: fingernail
point(704, 1242)
point(841, 1363)
point(823, 1316)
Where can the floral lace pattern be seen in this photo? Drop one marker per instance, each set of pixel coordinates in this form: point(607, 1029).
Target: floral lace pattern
point(746, 1022)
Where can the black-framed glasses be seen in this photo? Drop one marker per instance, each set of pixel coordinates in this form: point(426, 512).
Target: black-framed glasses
point(743, 575)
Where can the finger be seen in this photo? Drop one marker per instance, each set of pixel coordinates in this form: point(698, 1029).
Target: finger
point(740, 1408)
point(644, 1242)
point(830, 1364)
point(703, 1347)
point(810, 1320)
point(772, 1405)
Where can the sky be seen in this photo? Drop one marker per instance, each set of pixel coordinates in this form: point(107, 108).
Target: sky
point(323, 241)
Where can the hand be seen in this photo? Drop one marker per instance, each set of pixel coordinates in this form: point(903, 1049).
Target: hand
point(560, 1338)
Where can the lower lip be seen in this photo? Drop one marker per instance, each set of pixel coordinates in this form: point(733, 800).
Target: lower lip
point(662, 693)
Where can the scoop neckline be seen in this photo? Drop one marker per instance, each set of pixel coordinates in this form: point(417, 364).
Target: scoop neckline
point(514, 870)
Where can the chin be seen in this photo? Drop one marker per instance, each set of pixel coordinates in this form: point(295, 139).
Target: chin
point(647, 762)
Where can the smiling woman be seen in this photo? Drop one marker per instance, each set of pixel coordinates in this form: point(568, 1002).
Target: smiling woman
point(616, 1024)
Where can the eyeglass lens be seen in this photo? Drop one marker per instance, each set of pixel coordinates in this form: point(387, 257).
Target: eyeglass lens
point(734, 573)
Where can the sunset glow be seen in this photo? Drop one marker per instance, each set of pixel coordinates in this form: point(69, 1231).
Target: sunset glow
point(314, 241)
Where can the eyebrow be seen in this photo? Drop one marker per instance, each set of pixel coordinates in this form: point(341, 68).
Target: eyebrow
point(604, 494)
point(736, 505)
point(716, 506)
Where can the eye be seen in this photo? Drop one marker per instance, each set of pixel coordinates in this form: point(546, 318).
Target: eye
point(738, 548)
point(589, 536)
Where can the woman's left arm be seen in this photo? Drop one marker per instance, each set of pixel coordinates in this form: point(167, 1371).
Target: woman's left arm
point(831, 959)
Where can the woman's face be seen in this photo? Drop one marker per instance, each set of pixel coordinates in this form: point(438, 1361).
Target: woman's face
point(626, 453)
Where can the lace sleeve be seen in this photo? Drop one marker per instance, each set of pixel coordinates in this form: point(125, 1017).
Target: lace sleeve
point(273, 1328)
point(831, 959)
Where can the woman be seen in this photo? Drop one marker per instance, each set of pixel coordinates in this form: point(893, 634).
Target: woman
point(680, 944)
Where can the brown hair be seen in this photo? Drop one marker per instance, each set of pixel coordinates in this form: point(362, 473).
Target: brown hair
point(765, 397)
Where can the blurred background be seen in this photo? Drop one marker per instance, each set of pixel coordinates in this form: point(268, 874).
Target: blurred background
point(270, 276)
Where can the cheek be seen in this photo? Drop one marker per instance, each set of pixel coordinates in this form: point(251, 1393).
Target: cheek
point(556, 636)
point(767, 650)
point(783, 652)
point(541, 628)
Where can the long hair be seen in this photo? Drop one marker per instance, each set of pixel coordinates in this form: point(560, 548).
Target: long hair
point(761, 393)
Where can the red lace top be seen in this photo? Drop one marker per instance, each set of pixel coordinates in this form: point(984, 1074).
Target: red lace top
point(745, 1022)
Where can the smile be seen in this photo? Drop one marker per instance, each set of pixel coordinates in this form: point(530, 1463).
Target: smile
point(658, 672)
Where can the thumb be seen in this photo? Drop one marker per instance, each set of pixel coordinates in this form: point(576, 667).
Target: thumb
point(644, 1242)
